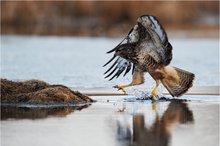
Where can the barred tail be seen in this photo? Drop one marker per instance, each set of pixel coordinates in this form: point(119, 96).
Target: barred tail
point(177, 81)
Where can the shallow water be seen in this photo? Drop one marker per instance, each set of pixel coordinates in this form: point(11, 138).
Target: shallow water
point(77, 61)
point(114, 121)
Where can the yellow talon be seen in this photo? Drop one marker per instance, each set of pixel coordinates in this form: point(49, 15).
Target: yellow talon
point(154, 93)
point(121, 88)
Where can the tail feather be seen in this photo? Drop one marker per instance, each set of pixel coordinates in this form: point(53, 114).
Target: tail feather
point(177, 81)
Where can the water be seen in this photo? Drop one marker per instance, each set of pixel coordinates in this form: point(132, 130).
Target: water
point(77, 61)
point(114, 123)
point(113, 120)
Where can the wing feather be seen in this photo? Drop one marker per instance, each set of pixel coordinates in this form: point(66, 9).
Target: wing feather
point(112, 66)
point(121, 63)
point(128, 68)
point(159, 30)
point(111, 72)
point(124, 41)
point(159, 37)
point(109, 61)
point(166, 50)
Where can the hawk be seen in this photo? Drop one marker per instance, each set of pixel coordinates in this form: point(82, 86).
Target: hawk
point(146, 49)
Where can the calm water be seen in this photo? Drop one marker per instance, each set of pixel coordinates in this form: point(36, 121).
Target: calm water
point(77, 62)
point(114, 123)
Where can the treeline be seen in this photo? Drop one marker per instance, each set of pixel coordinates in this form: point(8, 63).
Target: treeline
point(95, 18)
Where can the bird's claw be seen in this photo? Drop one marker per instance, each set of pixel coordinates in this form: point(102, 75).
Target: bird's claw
point(120, 88)
point(152, 98)
point(153, 95)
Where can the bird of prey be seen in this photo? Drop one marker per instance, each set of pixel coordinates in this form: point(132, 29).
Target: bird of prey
point(146, 49)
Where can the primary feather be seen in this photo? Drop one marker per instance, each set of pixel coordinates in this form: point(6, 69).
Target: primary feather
point(121, 63)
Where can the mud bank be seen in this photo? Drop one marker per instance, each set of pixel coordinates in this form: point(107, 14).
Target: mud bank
point(39, 92)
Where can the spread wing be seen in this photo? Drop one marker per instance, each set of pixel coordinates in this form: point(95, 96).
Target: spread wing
point(118, 67)
point(159, 30)
point(159, 37)
point(120, 63)
point(149, 30)
point(133, 36)
point(166, 50)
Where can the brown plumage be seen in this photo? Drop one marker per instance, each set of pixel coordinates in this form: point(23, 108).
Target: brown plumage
point(147, 48)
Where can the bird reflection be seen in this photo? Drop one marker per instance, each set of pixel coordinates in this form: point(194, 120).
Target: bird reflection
point(159, 133)
point(8, 112)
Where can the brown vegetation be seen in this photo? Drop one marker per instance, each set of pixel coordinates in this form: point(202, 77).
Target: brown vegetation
point(39, 92)
point(96, 18)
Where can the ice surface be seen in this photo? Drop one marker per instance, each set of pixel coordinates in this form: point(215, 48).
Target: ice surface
point(78, 61)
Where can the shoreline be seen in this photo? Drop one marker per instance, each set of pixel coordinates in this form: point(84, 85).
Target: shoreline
point(197, 90)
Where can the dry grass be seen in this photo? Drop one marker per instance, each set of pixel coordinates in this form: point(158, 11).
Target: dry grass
point(102, 18)
point(39, 92)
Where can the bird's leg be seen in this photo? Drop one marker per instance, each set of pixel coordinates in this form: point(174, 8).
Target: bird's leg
point(122, 87)
point(154, 91)
point(137, 79)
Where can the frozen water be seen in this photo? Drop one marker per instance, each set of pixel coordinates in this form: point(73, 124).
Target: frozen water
point(78, 61)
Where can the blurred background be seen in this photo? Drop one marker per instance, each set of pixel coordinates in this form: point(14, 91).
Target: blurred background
point(66, 42)
point(96, 18)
